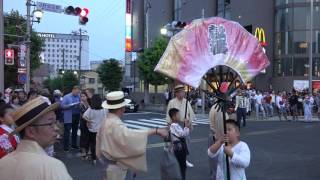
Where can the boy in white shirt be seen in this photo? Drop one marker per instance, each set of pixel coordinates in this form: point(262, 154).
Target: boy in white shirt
point(178, 135)
point(237, 151)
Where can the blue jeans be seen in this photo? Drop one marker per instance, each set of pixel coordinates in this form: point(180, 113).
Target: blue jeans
point(241, 115)
point(258, 108)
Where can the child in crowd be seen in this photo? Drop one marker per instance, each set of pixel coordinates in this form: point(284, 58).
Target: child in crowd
point(94, 115)
point(178, 135)
point(8, 142)
point(237, 151)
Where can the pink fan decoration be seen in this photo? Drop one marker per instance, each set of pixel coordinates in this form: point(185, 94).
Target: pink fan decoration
point(207, 43)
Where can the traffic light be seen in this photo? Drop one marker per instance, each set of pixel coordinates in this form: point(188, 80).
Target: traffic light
point(77, 11)
point(9, 57)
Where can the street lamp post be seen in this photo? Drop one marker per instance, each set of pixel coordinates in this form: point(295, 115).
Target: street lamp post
point(38, 15)
point(1, 48)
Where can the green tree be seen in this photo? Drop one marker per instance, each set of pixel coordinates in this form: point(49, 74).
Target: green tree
point(148, 61)
point(15, 24)
point(110, 74)
point(64, 82)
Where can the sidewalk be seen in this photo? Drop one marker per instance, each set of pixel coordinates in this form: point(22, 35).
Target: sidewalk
point(253, 118)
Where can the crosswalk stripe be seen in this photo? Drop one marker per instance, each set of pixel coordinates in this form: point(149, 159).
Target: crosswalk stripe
point(151, 121)
point(135, 126)
point(142, 123)
point(157, 119)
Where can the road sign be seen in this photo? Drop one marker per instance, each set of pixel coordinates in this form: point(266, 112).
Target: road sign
point(49, 7)
point(22, 55)
point(22, 70)
point(22, 78)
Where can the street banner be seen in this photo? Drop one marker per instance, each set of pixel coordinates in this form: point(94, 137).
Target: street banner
point(207, 43)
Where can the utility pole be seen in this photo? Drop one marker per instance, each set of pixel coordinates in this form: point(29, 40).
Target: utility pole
point(1, 48)
point(28, 45)
point(80, 49)
point(310, 46)
point(63, 60)
point(79, 33)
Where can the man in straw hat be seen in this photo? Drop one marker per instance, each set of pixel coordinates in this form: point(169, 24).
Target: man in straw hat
point(36, 122)
point(179, 102)
point(121, 148)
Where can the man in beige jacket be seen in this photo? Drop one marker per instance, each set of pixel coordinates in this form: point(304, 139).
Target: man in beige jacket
point(37, 124)
point(122, 149)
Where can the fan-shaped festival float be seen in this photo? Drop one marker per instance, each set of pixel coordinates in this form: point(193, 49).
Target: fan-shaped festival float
point(215, 50)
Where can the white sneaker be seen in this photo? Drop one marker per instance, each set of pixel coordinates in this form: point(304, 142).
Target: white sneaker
point(189, 164)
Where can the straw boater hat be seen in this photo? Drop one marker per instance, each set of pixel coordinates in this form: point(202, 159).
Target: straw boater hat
point(115, 100)
point(32, 111)
point(178, 88)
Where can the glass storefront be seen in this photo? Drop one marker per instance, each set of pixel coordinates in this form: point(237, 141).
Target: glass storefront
point(292, 36)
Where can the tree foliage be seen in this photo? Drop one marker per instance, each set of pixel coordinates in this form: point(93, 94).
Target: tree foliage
point(110, 74)
point(64, 82)
point(148, 61)
point(15, 24)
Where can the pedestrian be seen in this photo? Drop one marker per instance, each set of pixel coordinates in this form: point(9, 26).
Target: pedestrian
point(216, 132)
point(32, 94)
point(180, 103)
point(237, 151)
point(94, 116)
point(281, 106)
point(307, 105)
point(122, 149)
point(36, 123)
point(84, 131)
point(15, 102)
point(8, 142)
point(259, 106)
point(242, 106)
point(166, 96)
point(268, 104)
point(178, 139)
point(317, 103)
point(57, 98)
point(293, 101)
point(22, 97)
point(71, 110)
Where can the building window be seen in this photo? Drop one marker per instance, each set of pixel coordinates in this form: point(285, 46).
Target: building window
point(48, 45)
point(91, 80)
point(58, 40)
point(61, 45)
point(58, 45)
point(301, 18)
point(48, 55)
point(48, 39)
point(283, 67)
point(62, 40)
point(300, 66)
point(74, 51)
point(74, 41)
point(284, 19)
point(52, 40)
point(74, 46)
point(67, 46)
point(53, 45)
point(300, 44)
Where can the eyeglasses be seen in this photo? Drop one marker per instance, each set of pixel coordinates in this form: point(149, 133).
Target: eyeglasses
point(52, 124)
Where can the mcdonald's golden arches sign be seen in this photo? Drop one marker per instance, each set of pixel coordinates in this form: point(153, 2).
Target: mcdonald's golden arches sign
point(260, 34)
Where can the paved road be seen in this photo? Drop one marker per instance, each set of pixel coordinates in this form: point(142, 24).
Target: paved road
point(280, 151)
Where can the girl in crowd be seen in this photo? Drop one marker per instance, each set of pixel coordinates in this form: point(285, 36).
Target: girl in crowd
point(94, 116)
point(8, 142)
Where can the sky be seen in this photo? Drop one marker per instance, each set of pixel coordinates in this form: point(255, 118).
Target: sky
point(106, 25)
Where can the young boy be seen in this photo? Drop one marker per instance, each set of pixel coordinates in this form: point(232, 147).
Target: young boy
point(178, 135)
point(237, 151)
